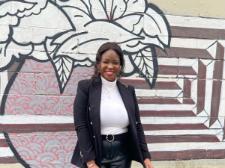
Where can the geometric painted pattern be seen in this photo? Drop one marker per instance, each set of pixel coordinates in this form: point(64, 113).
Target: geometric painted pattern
point(183, 116)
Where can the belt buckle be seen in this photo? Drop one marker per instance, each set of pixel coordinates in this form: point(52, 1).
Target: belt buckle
point(108, 139)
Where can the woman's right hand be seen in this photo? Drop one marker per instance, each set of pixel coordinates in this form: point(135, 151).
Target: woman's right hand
point(92, 164)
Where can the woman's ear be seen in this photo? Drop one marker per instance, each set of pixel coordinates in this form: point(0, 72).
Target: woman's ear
point(120, 72)
point(120, 68)
point(98, 68)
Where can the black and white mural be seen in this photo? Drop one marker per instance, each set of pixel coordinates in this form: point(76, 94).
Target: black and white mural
point(68, 33)
point(47, 46)
point(36, 127)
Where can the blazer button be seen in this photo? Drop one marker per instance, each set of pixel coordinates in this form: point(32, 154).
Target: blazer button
point(93, 136)
point(91, 123)
point(81, 154)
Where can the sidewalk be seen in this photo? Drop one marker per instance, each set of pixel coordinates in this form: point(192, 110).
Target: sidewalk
point(204, 163)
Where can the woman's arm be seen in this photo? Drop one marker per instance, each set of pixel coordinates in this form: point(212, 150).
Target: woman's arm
point(141, 136)
point(81, 121)
point(140, 131)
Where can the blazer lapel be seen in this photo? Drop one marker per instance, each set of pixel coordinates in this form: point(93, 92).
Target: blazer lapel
point(95, 99)
point(127, 100)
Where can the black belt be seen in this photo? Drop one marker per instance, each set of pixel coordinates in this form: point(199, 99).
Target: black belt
point(117, 137)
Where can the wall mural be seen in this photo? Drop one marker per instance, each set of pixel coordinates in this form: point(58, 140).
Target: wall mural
point(82, 27)
point(176, 64)
point(67, 33)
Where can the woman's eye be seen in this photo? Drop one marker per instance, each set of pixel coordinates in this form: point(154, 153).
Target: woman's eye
point(115, 63)
point(111, 62)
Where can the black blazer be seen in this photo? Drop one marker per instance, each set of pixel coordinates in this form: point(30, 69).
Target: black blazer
point(87, 123)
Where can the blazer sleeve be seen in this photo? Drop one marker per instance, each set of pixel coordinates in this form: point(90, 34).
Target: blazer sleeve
point(140, 131)
point(81, 121)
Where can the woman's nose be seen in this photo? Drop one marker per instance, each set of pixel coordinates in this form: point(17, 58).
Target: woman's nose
point(110, 65)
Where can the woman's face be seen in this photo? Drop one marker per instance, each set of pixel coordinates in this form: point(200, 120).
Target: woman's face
point(109, 66)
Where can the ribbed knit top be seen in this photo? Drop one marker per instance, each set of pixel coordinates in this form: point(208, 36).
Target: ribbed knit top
point(113, 114)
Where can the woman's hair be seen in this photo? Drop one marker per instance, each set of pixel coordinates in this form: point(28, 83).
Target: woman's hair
point(102, 49)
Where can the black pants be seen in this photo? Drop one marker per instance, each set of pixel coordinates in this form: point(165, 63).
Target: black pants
point(115, 154)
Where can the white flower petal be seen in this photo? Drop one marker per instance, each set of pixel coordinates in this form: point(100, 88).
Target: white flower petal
point(135, 6)
point(133, 23)
point(107, 10)
point(115, 8)
point(79, 14)
point(98, 9)
point(117, 33)
point(155, 25)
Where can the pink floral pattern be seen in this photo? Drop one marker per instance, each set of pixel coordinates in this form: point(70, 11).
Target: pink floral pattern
point(37, 93)
point(33, 104)
point(24, 84)
point(78, 74)
point(35, 66)
point(46, 83)
point(66, 105)
point(45, 149)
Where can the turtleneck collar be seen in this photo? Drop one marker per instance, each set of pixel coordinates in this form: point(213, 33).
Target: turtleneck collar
point(108, 83)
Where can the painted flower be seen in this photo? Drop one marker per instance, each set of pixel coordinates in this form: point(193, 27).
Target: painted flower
point(24, 27)
point(137, 26)
point(82, 26)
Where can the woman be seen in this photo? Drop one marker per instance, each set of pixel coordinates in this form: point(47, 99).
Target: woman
point(107, 120)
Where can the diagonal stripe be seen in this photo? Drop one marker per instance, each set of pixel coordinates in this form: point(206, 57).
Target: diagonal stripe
point(180, 138)
point(5, 152)
point(174, 126)
point(174, 70)
point(189, 154)
point(217, 84)
point(185, 132)
point(155, 100)
point(181, 52)
point(172, 120)
point(196, 22)
point(159, 93)
point(164, 107)
point(7, 160)
point(2, 135)
point(185, 146)
point(201, 87)
point(3, 143)
point(141, 84)
point(194, 32)
point(167, 113)
point(27, 128)
point(35, 119)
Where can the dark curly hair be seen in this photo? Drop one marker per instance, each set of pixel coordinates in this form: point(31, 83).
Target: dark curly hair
point(102, 49)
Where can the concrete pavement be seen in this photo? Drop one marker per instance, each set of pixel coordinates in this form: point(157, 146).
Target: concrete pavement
point(203, 163)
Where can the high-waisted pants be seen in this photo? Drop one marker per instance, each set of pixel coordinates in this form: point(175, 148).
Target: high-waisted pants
point(115, 153)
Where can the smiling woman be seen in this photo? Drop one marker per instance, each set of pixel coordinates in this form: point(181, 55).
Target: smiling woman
point(107, 119)
point(109, 66)
point(109, 61)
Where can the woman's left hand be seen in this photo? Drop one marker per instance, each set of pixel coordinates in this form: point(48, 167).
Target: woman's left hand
point(148, 163)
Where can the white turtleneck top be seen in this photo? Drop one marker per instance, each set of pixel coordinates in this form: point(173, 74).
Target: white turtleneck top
point(113, 114)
